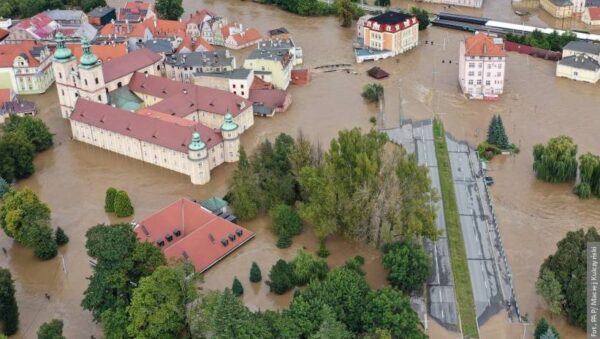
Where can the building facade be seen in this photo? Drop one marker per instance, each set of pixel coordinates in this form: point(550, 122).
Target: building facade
point(38, 27)
point(182, 66)
point(580, 61)
point(26, 67)
point(591, 16)
point(387, 35)
point(482, 63)
point(464, 3)
point(237, 81)
point(272, 61)
point(558, 8)
point(101, 16)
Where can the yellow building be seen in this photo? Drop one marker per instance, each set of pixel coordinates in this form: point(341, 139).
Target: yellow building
point(272, 62)
point(558, 8)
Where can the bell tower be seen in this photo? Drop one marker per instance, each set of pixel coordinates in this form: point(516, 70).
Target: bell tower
point(198, 156)
point(91, 79)
point(63, 65)
point(231, 139)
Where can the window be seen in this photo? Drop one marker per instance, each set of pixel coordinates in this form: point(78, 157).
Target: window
point(471, 73)
point(85, 81)
point(158, 67)
point(233, 85)
point(100, 98)
point(242, 93)
point(499, 74)
point(119, 84)
point(471, 65)
point(470, 82)
point(59, 75)
point(489, 74)
point(479, 82)
point(242, 86)
point(487, 82)
point(97, 82)
point(62, 91)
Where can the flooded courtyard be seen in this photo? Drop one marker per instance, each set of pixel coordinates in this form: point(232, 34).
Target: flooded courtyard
point(72, 177)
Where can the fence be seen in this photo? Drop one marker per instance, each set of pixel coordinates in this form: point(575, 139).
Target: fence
point(532, 51)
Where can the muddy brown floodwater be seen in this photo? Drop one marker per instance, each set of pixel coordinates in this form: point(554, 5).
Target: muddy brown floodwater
point(72, 177)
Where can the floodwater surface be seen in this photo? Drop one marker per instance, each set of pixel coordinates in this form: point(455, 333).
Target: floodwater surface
point(72, 177)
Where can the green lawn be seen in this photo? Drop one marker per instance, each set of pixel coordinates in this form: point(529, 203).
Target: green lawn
point(458, 256)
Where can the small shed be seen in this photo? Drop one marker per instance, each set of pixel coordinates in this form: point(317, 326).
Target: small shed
point(377, 73)
point(215, 205)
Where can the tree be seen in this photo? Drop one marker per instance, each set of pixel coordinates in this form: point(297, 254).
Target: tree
point(9, 311)
point(346, 12)
point(88, 5)
point(114, 323)
point(61, 237)
point(423, 17)
point(569, 265)
point(409, 265)
point(497, 134)
point(109, 200)
point(389, 309)
point(589, 176)
point(286, 224)
point(555, 161)
point(543, 328)
point(255, 274)
point(51, 330)
point(549, 288)
point(281, 277)
point(372, 92)
point(169, 9)
point(32, 129)
point(123, 207)
point(237, 287)
point(16, 157)
point(244, 190)
point(4, 187)
point(382, 3)
point(307, 267)
point(26, 219)
point(158, 305)
point(330, 327)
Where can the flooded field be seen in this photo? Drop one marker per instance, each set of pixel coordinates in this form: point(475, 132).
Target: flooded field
point(72, 177)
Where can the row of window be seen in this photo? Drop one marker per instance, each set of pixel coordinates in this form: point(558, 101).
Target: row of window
point(479, 65)
point(487, 82)
point(488, 74)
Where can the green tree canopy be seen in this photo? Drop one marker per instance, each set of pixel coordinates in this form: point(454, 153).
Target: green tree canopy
point(286, 222)
point(543, 330)
point(114, 323)
point(281, 277)
point(389, 309)
point(244, 189)
point(409, 265)
point(51, 330)
point(556, 161)
point(569, 267)
point(423, 17)
point(123, 207)
point(9, 311)
point(109, 200)
point(61, 237)
point(4, 187)
point(255, 274)
point(549, 288)
point(589, 176)
point(16, 156)
point(372, 92)
point(158, 305)
point(32, 129)
point(237, 287)
point(169, 9)
point(307, 267)
point(330, 327)
point(497, 134)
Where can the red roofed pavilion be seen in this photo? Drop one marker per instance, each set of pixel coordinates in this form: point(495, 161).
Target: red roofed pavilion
point(186, 230)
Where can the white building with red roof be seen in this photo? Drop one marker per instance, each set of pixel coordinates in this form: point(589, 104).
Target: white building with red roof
point(591, 16)
point(124, 107)
point(38, 27)
point(136, 11)
point(482, 64)
point(196, 21)
point(387, 35)
point(187, 231)
point(25, 67)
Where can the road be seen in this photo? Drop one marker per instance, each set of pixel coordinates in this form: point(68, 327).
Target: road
point(440, 284)
point(488, 268)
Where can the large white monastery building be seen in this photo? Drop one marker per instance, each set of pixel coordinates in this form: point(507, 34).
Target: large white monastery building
point(125, 106)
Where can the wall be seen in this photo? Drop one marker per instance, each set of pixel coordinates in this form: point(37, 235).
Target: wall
point(577, 74)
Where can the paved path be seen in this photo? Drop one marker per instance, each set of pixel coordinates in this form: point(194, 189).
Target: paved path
point(487, 266)
point(440, 284)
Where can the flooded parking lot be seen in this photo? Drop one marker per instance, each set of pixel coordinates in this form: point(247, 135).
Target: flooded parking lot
point(72, 177)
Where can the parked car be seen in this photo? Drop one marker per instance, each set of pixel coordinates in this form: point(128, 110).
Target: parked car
point(488, 181)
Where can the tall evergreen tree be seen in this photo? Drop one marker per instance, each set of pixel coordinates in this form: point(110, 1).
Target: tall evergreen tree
point(9, 311)
point(492, 137)
point(255, 274)
point(123, 207)
point(109, 200)
point(237, 287)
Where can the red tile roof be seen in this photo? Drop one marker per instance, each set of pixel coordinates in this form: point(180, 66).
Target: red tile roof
point(594, 13)
point(122, 29)
point(248, 36)
point(201, 42)
point(129, 63)
point(201, 233)
point(3, 33)
point(5, 95)
point(103, 52)
point(134, 10)
point(181, 99)
point(37, 21)
point(482, 44)
point(199, 16)
point(259, 83)
point(165, 28)
point(8, 53)
point(273, 98)
point(154, 130)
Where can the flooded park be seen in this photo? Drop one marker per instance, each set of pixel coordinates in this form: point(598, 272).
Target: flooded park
point(72, 177)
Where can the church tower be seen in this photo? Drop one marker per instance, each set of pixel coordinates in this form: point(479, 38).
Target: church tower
point(198, 156)
point(231, 139)
point(91, 79)
point(63, 66)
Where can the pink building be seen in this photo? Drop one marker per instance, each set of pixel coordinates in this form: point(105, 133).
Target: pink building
point(481, 66)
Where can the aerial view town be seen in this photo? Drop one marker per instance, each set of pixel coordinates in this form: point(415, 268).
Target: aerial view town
point(299, 169)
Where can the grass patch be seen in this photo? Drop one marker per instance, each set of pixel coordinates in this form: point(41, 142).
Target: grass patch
point(458, 255)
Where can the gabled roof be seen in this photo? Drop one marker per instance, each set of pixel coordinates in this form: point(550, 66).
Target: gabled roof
point(5, 95)
point(594, 13)
point(201, 236)
point(136, 29)
point(482, 44)
point(158, 46)
point(3, 33)
point(278, 31)
point(181, 99)
point(165, 28)
point(101, 11)
point(129, 63)
point(248, 36)
point(199, 17)
point(135, 10)
point(581, 61)
point(583, 47)
point(201, 59)
point(65, 14)
point(391, 22)
point(168, 134)
point(40, 25)
point(103, 52)
point(25, 49)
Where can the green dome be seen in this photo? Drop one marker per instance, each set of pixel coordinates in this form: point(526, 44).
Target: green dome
point(197, 143)
point(62, 53)
point(229, 125)
point(88, 59)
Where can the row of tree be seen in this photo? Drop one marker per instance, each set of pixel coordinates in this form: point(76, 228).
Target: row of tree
point(28, 8)
point(26, 219)
point(20, 140)
point(346, 10)
point(552, 41)
point(118, 202)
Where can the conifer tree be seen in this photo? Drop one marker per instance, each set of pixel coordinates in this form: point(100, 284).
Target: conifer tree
point(237, 287)
point(123, 207)
point(61, 237)
point(109, 200)
point(255, 274)
point(9, 311)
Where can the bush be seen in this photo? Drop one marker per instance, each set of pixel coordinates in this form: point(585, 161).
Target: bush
point(255, 274)
point(542, 328)
point(51, 330)
point(284, 241)
point(286, 224)
point(237, 287)
point(323, 252)
point(109, 200)
point(589, 176)
point(308, 267)
point(556, 161)
point(45, 247)
point(356, 264)
point(61, 237)
point(123, 207)
point(4, 187)
point(408, 263)
point(281, 277)
point(372, 92)
point(487, 151)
